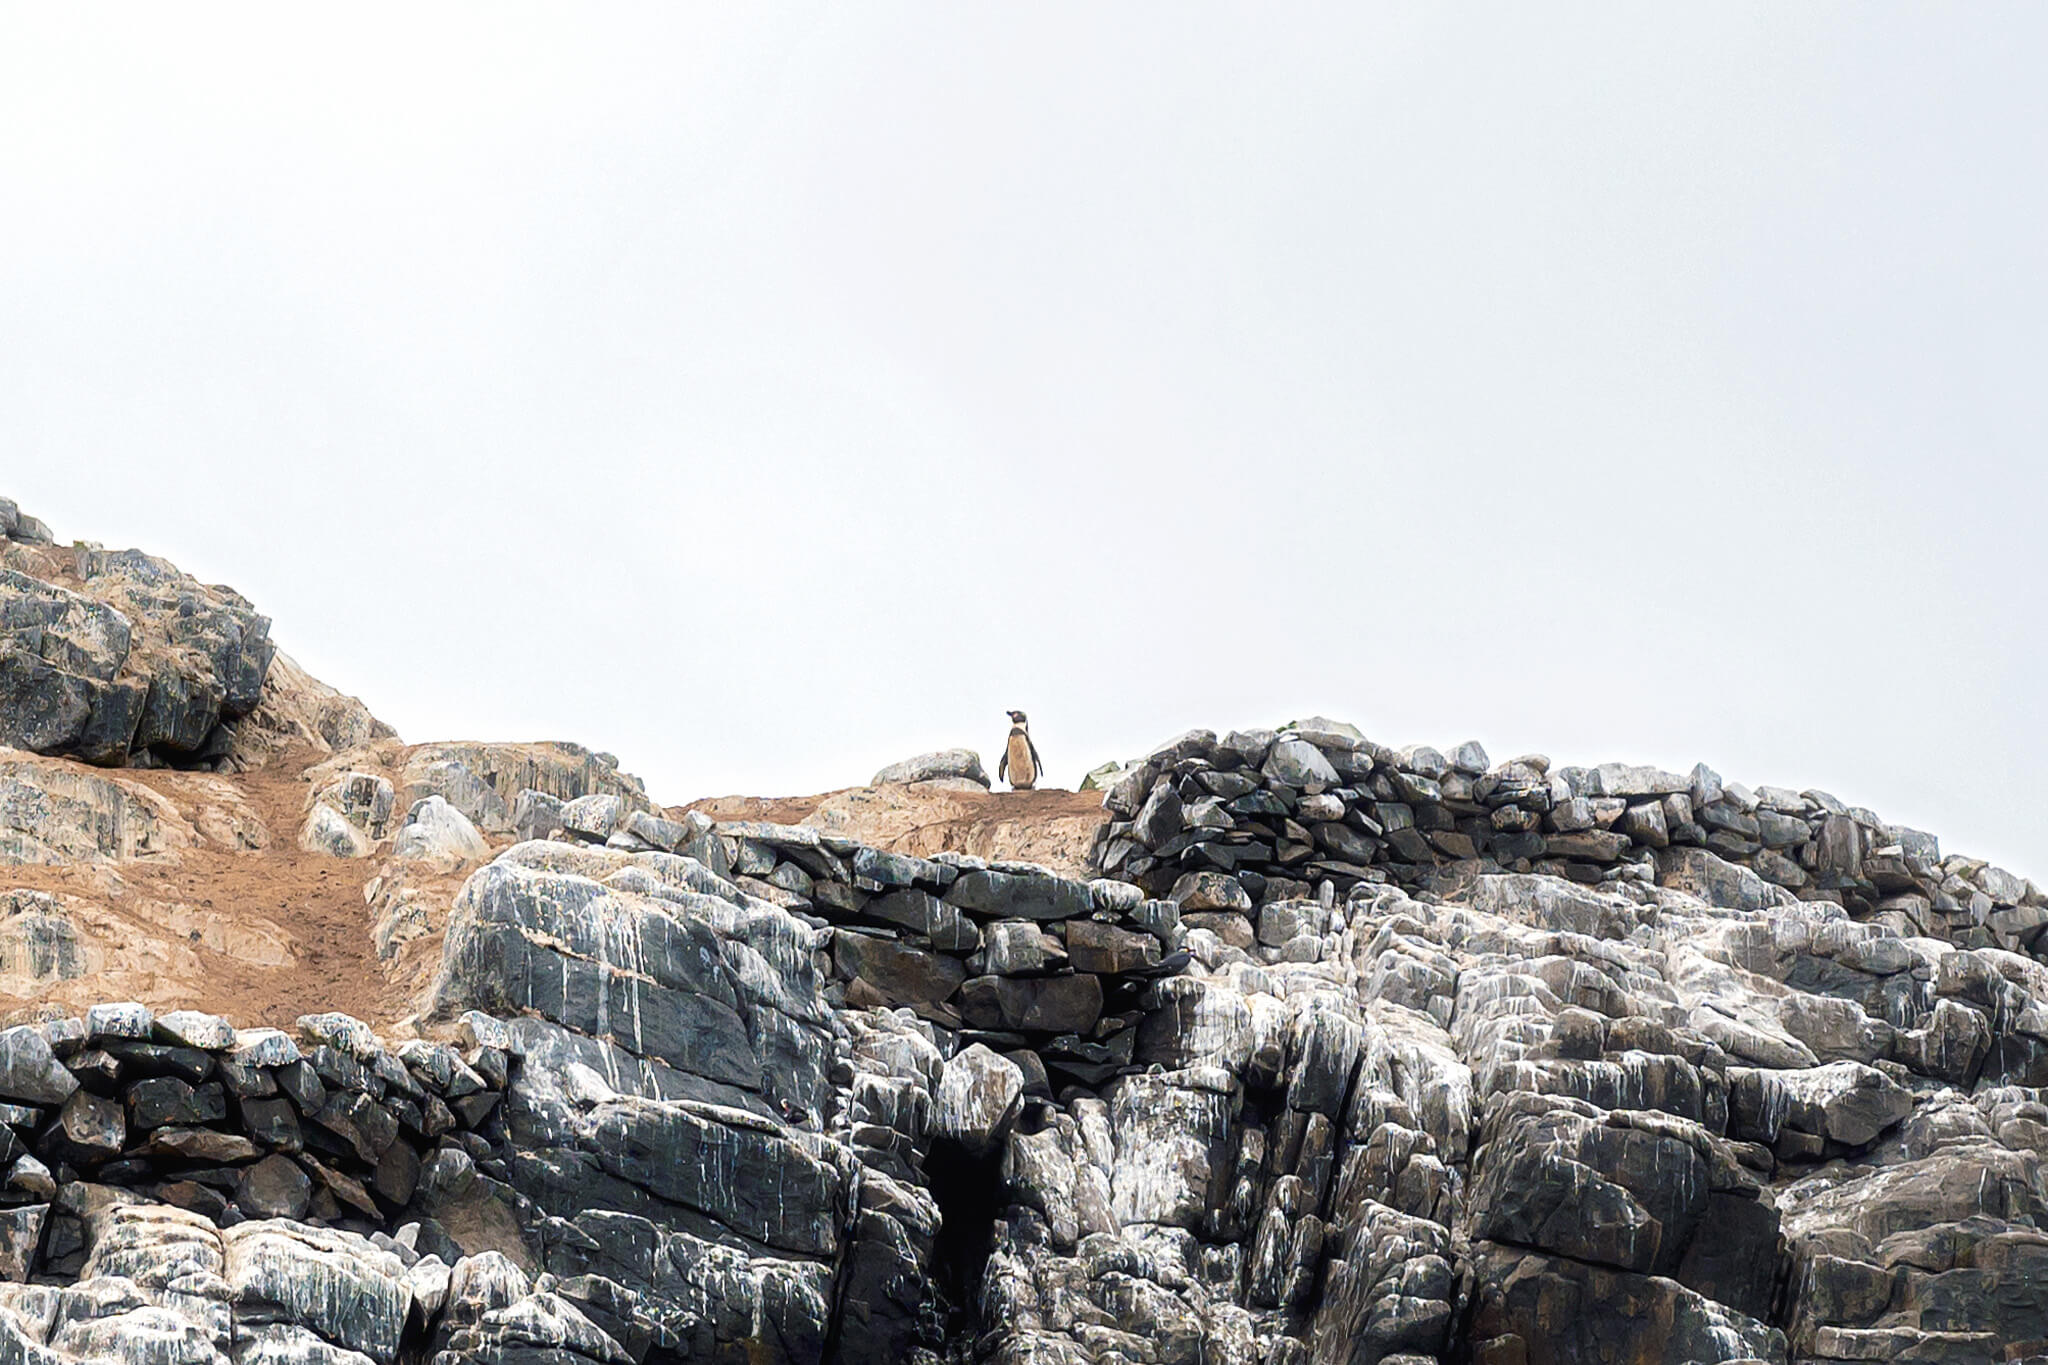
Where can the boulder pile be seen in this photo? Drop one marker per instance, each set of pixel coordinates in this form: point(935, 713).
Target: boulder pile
point(1282, 812)
point(328, 1127)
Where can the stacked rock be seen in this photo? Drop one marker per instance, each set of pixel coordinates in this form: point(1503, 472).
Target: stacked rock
point(326, 1128)
point(183, 1191)
point(1281, 813)
point(1042, 968)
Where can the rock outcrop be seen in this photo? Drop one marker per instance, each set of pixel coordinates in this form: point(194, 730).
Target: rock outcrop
point(1534, 1120)
point(1336, 1055)
point(119, 658)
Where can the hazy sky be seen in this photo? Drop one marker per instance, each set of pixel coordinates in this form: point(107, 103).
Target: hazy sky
point(767, 393)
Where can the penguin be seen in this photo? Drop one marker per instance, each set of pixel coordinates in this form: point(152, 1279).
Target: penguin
point(1020, 756)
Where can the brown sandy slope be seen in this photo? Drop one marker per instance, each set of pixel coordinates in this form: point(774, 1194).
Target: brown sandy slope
point(1056, 828)
point(259, 935)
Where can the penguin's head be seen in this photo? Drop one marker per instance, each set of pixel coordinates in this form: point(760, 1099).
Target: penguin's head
point(1016, 717)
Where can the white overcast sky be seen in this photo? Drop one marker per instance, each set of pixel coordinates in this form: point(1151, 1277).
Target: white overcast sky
point(765, 393)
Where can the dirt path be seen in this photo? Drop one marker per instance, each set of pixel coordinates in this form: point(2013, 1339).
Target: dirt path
point(231, 898)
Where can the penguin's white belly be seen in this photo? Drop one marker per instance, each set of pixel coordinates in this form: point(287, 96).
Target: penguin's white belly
point(1023, 773)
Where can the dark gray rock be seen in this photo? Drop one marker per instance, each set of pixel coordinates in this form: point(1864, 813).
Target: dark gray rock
point(42, 707)
point(21, 1237)
point(923, 913)
point(89, 1129)
point(1053, 1004)
point(1548, 1310)
point(164, 1100)
point(1019, 895)
point(1108, 950)
point(1159, 819)
point(1210, 891)
point(902, 974)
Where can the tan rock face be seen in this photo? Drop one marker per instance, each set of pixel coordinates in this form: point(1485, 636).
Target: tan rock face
point(482, 781)
point(54, 813)
point(298, 711)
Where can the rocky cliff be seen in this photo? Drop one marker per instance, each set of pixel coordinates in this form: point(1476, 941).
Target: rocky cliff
point(1296, 1048)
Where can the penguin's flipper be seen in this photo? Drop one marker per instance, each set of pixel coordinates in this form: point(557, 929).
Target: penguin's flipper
point(1003, 768)
point(1037, 763)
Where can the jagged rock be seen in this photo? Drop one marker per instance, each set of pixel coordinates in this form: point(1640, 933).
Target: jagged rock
point(978, 1097)
point(1424, 1059)
point(1022, 948)
point(89, 1129)
point(140, 657)
point(21, 1235)
point(901, 973)
point(593, 817)
point(30, 1071)
point(1714, 879)
point(665, 977)
point(54, 814)
point(483, 781)
point(1548, 1310)
point(923, 913)
point(1845, 1102)
point(349, 817)
point(334, 1284)
point(1108, 950)
point(1299, 764)
point(536, 814)
point(1159, 819)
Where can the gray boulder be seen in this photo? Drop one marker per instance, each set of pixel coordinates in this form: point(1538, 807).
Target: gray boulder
point(1297, 763)
point(593, 818)
point(963, 764)
point(437, 834)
